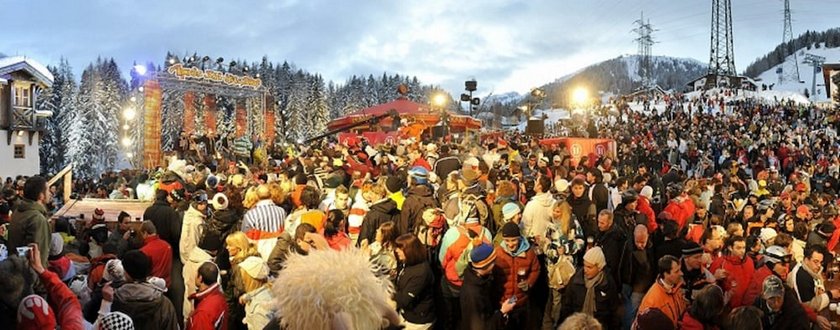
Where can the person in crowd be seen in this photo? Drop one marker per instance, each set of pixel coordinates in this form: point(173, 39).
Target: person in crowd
point(593, 292)
point(251, 280)
point(516, 272)
point(705, 313)
point(739, 269)
point(420, 197)
point(537, 213)
point(305, 239)
point(59, 263)
point(776, 262)
point(382, 209)
point(335, 230)
point(157, 250)
point(666, 293)
point(168, 223)
point(611, 240)
point(307, 212)
point(745, 317)
point(583, 208)
point(637, 273)
point(414, 284)
point(211, 310)
point(695, 274)
point(477, 304)
point(193, 225)
point(780, 307)
point(806, 279)
point(142, 301)
point(265, 217)
point(510, 213)
point(381, 251)
point(29, 223)
point(580, 321)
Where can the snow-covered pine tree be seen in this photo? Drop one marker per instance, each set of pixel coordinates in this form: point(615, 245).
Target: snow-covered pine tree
point(282, 87)
point(225, 121)
point(113, 96)
point(58, 99)
point(80, 137)
point(297, 126)
point(316, 107)
point(172, 114)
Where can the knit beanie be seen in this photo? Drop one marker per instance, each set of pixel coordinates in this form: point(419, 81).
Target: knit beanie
point(137, 265)
point(595, 256)
point(511, 229)
point(56, 244)
point(647, 191)
point(115, 321)
point(35, 313)
point(510, 210)
point(691, 248)
point(482, 256)
point(219, 202)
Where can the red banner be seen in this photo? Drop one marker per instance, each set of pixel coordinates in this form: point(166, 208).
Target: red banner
point(210, 113)
point(269, 125)
point(579, 147)
point(152, 120)
point(373, 138)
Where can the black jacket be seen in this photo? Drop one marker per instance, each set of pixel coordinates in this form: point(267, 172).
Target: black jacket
point(792, 316)
point(607, 302)
point(479, 303)
point(168, 224)
point(627, 220)
point(446, 165)
point(415, 293)
point(584, 211)
point(419, 198)
point(379, 213)
point(612, 243)
point(600, 196)
point(638, 267)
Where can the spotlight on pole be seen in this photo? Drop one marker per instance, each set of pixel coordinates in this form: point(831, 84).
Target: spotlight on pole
point(220, 60)
point(140, 69)
point(129, 155)
point(172, 60)
point(205, 58)
point(129, 113)
point(133, 99)
point(126, 141)
point(140, 89)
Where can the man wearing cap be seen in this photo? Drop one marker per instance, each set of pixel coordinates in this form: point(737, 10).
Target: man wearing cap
point(781, 309)
point(666, 294)
point(192, 225)
point(516, 272)
point(537, 213)
point(643, 205)
point(420, 197)
point(510, 213)
point(776, 262)
point(625, 216)
point(479, 310)
point(592, 291)
point(695, 274)
point(821, 234)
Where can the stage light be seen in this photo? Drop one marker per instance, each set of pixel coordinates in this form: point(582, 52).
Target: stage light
point(439, 100)
point(126, 127)
point(580, 96)
point(257, 76)
point(300, 141)
point(245, 69)
point(140, 69)
point(129, 113)
point(171, 60)
point(20, 133)
point(129, 155)
point(126, 141)
point(140, 89)
point(205, 58)
point(220, 60)
point(232, 64)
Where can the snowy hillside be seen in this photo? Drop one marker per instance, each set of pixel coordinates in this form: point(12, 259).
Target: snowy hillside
point(506, 98)
point(769, 77)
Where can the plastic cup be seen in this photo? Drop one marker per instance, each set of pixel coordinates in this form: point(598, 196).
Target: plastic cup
point(832, 307)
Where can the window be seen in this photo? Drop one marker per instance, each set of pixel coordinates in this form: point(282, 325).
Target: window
point(20, 151)
point(23, 96)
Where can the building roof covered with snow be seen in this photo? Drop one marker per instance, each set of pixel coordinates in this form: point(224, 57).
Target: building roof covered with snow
point(21, 63)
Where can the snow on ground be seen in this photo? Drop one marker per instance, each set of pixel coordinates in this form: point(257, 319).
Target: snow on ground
point(832, 55)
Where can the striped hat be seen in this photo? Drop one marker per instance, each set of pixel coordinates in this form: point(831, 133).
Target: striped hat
point(482, 256)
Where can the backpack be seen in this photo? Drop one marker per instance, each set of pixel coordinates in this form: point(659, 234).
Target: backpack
point(464, 259)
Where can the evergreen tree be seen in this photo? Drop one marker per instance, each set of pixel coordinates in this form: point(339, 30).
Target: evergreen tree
point(59, 99)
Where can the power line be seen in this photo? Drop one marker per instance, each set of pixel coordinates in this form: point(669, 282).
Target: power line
point(787, 36)
point(645, 41)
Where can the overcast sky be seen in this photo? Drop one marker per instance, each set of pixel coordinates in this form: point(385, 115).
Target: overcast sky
point(506, 45)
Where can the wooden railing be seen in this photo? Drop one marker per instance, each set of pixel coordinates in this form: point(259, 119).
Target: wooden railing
point(67, 174)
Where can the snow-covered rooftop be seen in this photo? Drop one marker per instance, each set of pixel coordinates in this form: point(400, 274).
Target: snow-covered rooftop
point(15, 63)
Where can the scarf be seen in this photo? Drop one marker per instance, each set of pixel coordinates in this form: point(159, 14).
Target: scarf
point(589, 300)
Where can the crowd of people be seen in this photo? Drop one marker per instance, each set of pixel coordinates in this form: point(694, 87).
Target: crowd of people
point(713, 214)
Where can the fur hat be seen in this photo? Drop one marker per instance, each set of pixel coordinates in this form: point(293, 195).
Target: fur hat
point(219, 202)
point(56, 244)
point(211, 182)
point(561, 185)
point(345, 290)
point(114, 271)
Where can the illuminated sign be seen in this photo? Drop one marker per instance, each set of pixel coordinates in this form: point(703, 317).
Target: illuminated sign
point(182, 72)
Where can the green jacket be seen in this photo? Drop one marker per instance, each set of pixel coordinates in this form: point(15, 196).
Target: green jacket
point(30, 225)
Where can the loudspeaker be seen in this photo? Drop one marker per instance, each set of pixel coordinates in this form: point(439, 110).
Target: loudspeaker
point(535, 127)
point(438, 132)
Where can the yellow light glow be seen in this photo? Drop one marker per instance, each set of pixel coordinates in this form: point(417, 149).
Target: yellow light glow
point(129, 113)
point(129, 155)
point(580, 96)
point(439, 100)
point(126, 142)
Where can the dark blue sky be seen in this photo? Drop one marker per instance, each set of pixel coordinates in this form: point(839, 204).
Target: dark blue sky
point(506, 45)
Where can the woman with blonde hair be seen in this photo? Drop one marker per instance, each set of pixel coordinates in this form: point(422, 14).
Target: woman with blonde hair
point(563, 239)
point(243, 256)
point(251, 198)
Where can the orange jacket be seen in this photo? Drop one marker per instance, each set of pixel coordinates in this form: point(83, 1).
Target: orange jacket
point(671, 302)
point(508, 268)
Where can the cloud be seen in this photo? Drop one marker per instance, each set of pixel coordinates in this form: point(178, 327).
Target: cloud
point(504, 44)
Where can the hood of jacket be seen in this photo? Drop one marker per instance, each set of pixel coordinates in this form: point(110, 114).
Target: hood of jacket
point(30, 205)
point(384, 206)
point(523, 247)
point(420, 190)
point(138, 293)
point(544, 200)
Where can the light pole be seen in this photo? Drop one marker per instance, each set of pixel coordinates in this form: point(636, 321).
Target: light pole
point(470, 86)
point(439, 100)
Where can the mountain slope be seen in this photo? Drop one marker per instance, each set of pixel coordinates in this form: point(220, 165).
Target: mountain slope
point(806, 75)
point(621, 76)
